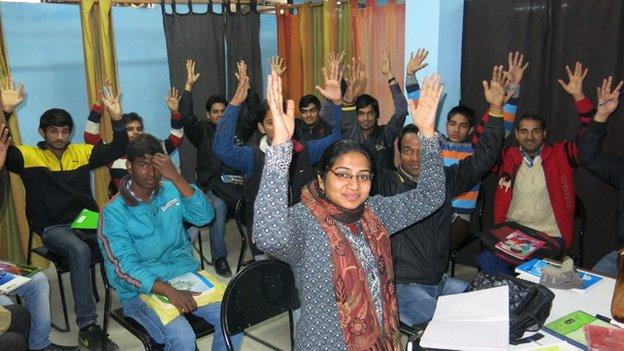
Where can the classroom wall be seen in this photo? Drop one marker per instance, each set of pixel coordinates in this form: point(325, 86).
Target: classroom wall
point(44, 45)
point(436, 25)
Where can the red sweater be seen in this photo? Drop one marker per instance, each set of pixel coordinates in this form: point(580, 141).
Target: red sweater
point(559, 161)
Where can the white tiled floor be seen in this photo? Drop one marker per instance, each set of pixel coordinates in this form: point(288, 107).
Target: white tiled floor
point(274, 331)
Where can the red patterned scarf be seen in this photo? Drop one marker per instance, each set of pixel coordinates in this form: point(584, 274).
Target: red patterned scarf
point(356, 310)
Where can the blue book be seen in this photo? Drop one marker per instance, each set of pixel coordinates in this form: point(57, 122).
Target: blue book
point(10, 282)
point(535, 266)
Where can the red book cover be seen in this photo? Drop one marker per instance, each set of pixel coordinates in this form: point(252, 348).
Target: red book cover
point(603, 338)
point(519, 245)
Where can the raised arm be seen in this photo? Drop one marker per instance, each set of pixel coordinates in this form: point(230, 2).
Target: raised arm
point(224, 144)
point(274, 231)
point(610, 169)
point(103, 154)
point(415, 64)
point(400, 211)
point(192, 129)
point(5, 143)
point(331, 92)
point(174, 140)
point(355, 81)
point(11, 96)
point(92, 127)
point(397, 121)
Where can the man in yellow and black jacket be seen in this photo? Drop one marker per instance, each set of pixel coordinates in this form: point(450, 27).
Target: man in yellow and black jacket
point(56, 176)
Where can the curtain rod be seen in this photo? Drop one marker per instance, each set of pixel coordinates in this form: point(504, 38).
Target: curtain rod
point(184, 2)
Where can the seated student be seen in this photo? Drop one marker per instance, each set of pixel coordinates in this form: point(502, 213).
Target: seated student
point(534, 171)
point(144, 243)
point(134, 127)
point(310, 126)
point(222, 184)
point(56, 177)
point(337, 239)
point(36, 296)
point(249, 159)
point(14, 330)
point(420, 251)
point(360, 121)
point(607, 168)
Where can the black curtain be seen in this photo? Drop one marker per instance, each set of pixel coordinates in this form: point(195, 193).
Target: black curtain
point(552, 34)
point(243, 43)
point(197, 36)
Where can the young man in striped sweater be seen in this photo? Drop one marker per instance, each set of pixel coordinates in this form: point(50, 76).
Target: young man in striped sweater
point(462, 135)
point(134, 126)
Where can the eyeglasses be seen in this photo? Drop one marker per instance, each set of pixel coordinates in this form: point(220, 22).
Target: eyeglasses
point(360, 178)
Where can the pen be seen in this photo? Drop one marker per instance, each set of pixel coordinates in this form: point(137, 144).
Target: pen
point(608, 101)
point(603, 318)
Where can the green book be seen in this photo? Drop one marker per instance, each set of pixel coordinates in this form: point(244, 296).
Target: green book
point(570, 327)
point(87, 219)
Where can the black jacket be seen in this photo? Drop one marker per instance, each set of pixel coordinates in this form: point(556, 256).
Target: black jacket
point(421, 252)
point(608, 168)
point(304, 132)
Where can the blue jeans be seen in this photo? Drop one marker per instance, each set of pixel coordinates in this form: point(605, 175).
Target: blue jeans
point(36, 295)
point(178, 334)
point(217, 229)
point(417, 302)
point(488, 262)
point(64, 242)
point(607, 264)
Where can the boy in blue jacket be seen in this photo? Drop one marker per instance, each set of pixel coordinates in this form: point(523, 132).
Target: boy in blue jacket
point(144, 243)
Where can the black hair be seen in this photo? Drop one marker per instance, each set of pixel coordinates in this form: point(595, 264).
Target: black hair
point(339, 148)
point(215, 99)
point(144, 144)
point(365, 100)
point(261, 111)
point(309, 99)
point(464, 111)
point(408, 129)
point(131, 117)
point(531, 117)
point(56, 117)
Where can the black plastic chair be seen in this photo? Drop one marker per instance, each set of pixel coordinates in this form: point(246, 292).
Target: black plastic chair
point(473, 234)
point(241, 224)
point(62, 266)
point(199, 325)
point(262, 290)
point(580, 215)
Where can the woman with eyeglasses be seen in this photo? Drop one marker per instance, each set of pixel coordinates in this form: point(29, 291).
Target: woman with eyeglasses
point(337, 239)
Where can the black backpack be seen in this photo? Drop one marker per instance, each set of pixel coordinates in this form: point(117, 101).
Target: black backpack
point(529, 303)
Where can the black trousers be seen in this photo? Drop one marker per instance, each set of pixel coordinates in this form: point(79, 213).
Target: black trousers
point(16, 338)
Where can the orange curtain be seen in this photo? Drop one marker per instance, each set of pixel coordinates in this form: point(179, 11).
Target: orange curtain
point(374, 28)
point(289, 47)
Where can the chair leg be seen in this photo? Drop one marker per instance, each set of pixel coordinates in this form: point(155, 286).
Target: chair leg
point(106, 318)
point(94, 285)
point(241, 255)
point(63, 304)
point(29, 252)
point(291, 323)
point(201, 248)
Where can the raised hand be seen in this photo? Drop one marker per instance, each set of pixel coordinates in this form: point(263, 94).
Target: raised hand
point(277, 65)
point(386, 67)
point(516, 67)
point(111, 102)
point(5, 141)
point(355, 79)
point(243, 83)
point(11, 95)
point(191, 76)
point(574, 87)
point(607, 99)
point(283, 121)
point(424, 115)
point(415, 62)
point(331, 87)
point(173, 100)
point(335, 59)
point(494, 91)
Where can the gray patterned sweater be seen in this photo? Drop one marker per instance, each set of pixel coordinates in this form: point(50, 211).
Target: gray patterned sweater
point(294, 236)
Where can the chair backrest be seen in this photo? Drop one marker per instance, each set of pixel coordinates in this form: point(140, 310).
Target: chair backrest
point(262, 290)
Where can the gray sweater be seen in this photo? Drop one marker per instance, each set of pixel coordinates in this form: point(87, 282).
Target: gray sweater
point(294, 236)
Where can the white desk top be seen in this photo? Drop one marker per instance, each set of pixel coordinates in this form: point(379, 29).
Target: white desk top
point(596, 300)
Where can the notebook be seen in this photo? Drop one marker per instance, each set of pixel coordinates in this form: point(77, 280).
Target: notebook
point(535, 266)
point(87, 219)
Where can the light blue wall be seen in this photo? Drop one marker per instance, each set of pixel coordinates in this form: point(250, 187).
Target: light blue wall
point(437, 26)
